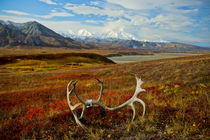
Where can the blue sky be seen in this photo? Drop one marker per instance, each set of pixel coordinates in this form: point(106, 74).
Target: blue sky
point(186, 21)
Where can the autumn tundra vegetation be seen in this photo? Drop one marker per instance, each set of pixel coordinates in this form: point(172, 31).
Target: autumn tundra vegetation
point(33, 102)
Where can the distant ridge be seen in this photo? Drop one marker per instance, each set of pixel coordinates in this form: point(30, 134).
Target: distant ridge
point(146, 45)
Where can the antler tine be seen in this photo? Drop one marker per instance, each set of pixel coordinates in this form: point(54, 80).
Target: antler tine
point(143, 104)
point(101, 90)
point(75, 93)
point(134, 111)
point(68, 92)
point(84, 105)
point(74, 107)
point(139, 82)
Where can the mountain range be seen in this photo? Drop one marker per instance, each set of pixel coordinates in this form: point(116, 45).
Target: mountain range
point(83, 33)
point(35, 34)
point(145, 45)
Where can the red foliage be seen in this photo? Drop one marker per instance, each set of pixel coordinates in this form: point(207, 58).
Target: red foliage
point(81, 76)
point(59, 105)
point(172, 84)
point(111, 93)
point(9, 100)
point(153, 89)
point(12, 130)
point(34, 112)
point(62, 117)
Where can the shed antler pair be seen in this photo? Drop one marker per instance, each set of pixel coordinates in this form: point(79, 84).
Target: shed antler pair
point(91, 102)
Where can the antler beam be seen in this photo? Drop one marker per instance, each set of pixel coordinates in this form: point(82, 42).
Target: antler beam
point(91, 102)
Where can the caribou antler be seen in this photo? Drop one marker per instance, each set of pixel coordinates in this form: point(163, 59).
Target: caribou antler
point(91, 102)
point(74, 107)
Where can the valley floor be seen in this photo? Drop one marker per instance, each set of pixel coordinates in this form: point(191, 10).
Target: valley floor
point(33, 105)
point(138, 58)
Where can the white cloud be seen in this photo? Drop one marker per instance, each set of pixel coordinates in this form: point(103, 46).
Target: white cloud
point(54, 13)
point(170, 19)
point(54, 25)
point(15, 12)
point(68, 4)
point(94, 21)
point(88, 10)
point(171, 22)
point(154, 34)
point(118, 26)
point(139, 20)
point(48, 2)
point(94, 3)
point(153, 4)
point(114, 12)
point(133, 4)
point(83, 9)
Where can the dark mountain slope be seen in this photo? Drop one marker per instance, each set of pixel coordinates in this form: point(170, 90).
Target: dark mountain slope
point(34, 28)
point(34, 34)
point(11, 36)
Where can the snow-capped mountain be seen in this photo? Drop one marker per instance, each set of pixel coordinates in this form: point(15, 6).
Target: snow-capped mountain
point(110, 34)
point(68, 34)
point(118, 35)
point(83, 33)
